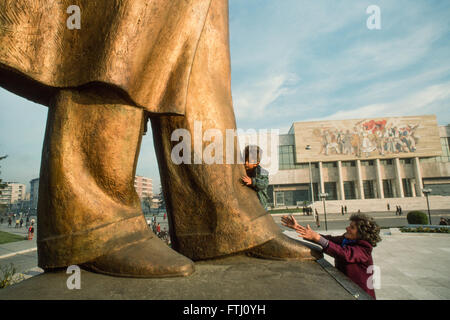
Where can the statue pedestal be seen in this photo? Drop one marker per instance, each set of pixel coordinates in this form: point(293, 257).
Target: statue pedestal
point(232, 278)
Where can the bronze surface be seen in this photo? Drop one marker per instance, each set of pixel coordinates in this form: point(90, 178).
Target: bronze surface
point(142, 48)
point(88, 211)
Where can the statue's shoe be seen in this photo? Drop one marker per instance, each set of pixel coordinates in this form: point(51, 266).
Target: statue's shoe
point(149, 258)
point(283, 247)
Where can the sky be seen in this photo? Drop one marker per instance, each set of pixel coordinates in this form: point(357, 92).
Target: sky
point(297, 60)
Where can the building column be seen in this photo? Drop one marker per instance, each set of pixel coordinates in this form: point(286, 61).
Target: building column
point(322, 184)
point(340, 180)
point(359, 177)
point(379, 180)
point(413, 188)
point(274, 197)
point(398, 179)
point(418, 177)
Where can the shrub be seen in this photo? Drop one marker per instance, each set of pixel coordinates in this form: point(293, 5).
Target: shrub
point(285, 211)
point(430, 230)
point(417, 217)
point(8, 276)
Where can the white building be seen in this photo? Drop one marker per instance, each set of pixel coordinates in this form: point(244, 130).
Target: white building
point(13, 193)
point(360, 162)
point(143, 186)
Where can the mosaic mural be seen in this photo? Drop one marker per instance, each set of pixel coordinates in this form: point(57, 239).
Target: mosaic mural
point(368, 138)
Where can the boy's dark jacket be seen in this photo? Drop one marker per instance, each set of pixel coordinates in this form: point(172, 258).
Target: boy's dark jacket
point(260, 182)
point(352, 260)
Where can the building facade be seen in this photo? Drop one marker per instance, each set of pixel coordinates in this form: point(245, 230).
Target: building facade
point(143, 186)
point(362, 159)
point(13, 193)
point(34, 193)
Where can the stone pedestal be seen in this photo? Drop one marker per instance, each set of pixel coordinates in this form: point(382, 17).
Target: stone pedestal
point(232, 278)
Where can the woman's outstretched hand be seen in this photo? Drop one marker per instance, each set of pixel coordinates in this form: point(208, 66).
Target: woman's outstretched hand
point(307, 233)
point(289, 221)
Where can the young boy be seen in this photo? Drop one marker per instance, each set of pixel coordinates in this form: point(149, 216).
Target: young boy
point(257, 178)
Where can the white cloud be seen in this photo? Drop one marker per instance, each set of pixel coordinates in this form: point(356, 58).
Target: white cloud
point(251, 101)
point(375, 67)
point(414, 104)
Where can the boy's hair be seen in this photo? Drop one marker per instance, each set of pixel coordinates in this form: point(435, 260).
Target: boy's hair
point(252, 153)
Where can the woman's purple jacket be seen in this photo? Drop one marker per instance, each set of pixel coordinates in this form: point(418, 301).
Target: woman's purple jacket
point(352, 260)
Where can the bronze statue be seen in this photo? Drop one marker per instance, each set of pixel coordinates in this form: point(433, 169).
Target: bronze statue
point(131, 59)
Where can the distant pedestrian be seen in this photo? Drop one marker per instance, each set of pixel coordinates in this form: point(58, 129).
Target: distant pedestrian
point(342, 210)
point(400, 211)
point(345, 208)
point(158, 229)
point(30, 233)
point(388, 207)
point(396, 210)
point(17, 223)
point(21, 222)
point(9, 222)
point(165, 215)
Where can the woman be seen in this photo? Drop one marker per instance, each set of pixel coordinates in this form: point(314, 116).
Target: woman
point(352, 251)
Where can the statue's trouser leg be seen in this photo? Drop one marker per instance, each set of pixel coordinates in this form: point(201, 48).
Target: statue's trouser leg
point(88, 208)
point(211, 213)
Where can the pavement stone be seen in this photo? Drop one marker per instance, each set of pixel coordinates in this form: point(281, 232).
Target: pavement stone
point(413, 266)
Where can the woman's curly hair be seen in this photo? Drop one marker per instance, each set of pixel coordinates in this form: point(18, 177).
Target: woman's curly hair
point(368, 229)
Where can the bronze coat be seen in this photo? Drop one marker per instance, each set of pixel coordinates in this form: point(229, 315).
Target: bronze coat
point(143, 48)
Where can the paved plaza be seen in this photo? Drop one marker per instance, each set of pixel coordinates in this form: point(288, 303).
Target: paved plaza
point(412, 266)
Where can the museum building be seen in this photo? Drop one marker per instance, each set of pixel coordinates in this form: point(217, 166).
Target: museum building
point(395, 157)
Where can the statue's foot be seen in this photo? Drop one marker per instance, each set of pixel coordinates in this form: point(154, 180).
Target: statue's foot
point(150, 258)
point(284, 248)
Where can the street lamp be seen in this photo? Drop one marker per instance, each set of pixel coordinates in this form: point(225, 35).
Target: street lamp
point(308, 147)
point(323, 196)
point(427, 192)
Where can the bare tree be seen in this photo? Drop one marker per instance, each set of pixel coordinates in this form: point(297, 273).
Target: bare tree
point(3, 207)
point(2, 185)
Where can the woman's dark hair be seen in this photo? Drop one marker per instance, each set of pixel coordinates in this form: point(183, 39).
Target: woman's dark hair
point(368, 229)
